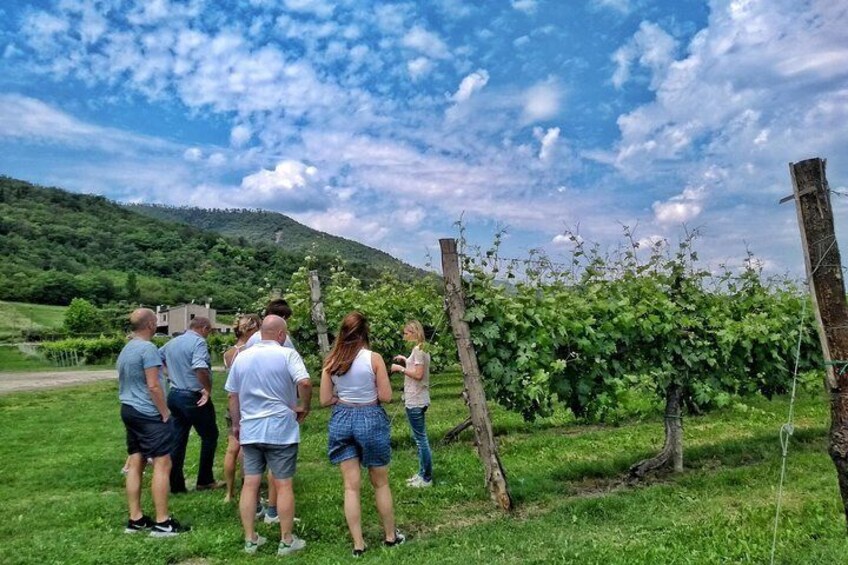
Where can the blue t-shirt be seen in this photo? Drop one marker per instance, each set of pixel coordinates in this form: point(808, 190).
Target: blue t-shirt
point(265, 379)
point(135, 357)
point(182, 355)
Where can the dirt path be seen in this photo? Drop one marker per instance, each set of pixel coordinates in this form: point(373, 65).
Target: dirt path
point(17, 382)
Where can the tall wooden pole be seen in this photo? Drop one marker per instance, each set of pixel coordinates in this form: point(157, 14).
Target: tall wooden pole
point(487, 449)
point(827, 288)
point(318, 313)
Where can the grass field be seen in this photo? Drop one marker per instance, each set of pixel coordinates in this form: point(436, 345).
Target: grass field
point(11, 359)
point(63, 499)
point(17, 316)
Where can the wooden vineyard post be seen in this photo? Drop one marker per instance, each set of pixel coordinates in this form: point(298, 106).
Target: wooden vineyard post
point(318, 313)
point(487, 449)
point(827, 288)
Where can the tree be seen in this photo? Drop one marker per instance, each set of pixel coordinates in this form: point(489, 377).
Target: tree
point(133, 291)
point(82, 317)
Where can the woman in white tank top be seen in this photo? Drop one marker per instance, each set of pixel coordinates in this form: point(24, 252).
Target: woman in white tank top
point(244, 327)
point(354, 382)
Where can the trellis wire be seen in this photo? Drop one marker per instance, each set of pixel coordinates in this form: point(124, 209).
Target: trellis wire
point(787, 429)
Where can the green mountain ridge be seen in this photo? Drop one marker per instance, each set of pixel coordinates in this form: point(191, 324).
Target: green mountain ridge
point(261, 226)
point(57, 245)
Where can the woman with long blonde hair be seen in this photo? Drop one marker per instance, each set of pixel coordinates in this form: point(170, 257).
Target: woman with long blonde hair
point(416, 399)
point(354, 382)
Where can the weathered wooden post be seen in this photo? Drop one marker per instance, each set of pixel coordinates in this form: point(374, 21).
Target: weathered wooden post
point(827, 288)
point(487, 449)
point(318, 313)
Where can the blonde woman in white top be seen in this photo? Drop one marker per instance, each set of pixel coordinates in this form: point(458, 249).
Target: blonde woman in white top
point(244, 328)
point(416, 395)
point(354, 382)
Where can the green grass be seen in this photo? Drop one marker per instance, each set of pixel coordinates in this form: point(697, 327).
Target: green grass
point(11, 359)
point(16, 317)
point(63, 497)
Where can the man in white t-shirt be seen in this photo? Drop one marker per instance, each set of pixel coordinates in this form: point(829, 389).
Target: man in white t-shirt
point(264, 385)
point(278, 307)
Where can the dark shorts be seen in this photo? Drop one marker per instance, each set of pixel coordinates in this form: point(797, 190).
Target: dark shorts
point(361, 432)
point(281, 459)
point(147, 435)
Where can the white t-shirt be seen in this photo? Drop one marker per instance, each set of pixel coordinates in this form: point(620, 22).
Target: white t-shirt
point(265, 378)
point(256, 338)
point(416, 394)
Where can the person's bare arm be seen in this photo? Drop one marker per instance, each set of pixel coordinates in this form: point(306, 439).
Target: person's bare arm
point(384, 387)
point(325, 393)
point(304, 393)
point(151, 374)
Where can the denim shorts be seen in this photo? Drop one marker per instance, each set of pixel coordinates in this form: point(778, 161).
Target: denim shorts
point(361, 432)
point(147, 435)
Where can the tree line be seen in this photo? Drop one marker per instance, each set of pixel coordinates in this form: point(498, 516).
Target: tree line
point(56, 246)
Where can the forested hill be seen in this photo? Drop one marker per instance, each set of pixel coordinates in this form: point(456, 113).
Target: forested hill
point(57, 245)
point(259, 226)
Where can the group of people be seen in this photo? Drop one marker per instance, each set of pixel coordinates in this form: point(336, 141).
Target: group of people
point(269, 396)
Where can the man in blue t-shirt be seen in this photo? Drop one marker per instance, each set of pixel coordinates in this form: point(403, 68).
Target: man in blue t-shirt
point(190, 371)
point(146, 419)
point(265, 384)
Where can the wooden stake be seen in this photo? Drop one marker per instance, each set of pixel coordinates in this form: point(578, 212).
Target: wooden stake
point(318, 313)
point(487, 449)
point(827, 288)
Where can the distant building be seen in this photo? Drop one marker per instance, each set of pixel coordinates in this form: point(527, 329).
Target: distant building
point(171, 321)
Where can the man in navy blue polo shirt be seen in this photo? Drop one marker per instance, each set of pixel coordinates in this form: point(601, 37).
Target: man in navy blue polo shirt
point(190, 371)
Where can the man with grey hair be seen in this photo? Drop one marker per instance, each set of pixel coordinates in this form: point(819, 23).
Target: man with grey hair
point(189, 369)
point(264, 385)
point(146, 419)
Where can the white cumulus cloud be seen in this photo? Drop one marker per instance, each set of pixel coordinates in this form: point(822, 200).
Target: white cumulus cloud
point(472, 83)
point(193, 154)
point(426, 42)
point(291, 186)
point(419, 67)
point(652, 47)
point(548, 142)
point(681, 208)
point(541, 102)
point(526, 6)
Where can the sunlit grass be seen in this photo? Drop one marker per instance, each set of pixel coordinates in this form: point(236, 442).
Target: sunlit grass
point(62, 491)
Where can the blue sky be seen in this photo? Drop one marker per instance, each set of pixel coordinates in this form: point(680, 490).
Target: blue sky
point(386, 122)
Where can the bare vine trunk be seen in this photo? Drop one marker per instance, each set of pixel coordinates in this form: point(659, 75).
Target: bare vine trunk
point(454, 432)
point(672, 451)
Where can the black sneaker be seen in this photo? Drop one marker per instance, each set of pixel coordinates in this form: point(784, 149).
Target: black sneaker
point(357, 553)
point(142, 524)
point(399, 539)
point(167, 529)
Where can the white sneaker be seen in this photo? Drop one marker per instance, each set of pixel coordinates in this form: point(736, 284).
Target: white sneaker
point(413, 478)
point(419, 482)
point(250, 546)
point(286, 548)
point(272, 519)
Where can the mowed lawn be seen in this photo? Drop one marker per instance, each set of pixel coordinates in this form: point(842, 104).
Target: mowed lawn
point(62, 494)
point(18, 316)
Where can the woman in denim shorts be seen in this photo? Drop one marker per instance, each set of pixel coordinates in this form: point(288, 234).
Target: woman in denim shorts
point(354, 382)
